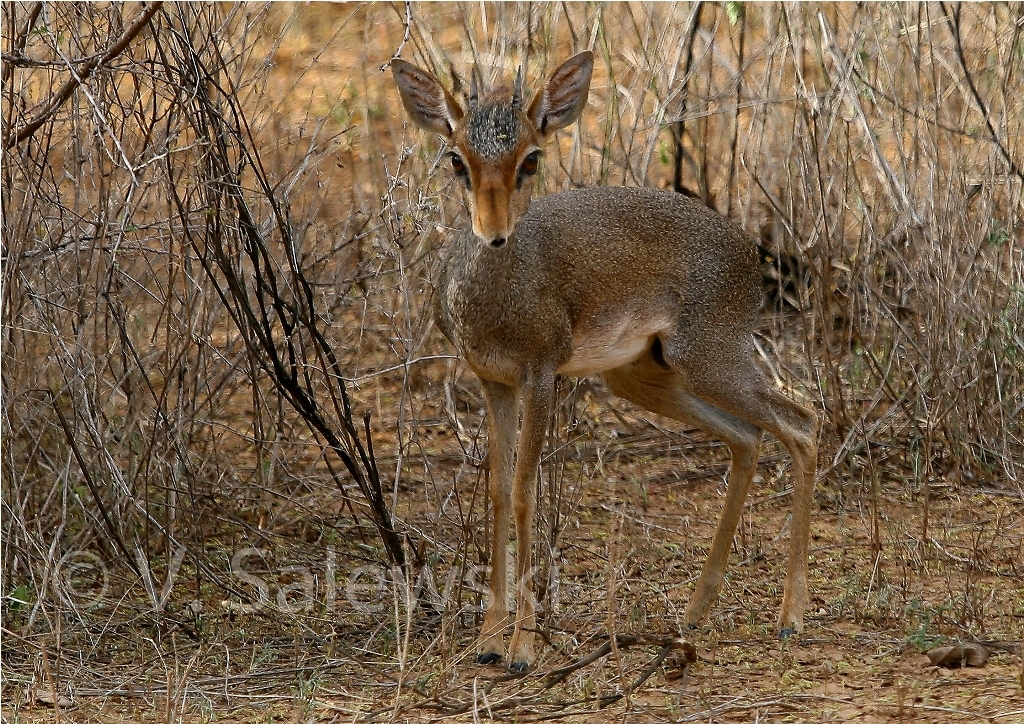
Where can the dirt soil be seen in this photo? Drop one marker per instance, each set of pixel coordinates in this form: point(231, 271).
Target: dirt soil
point(638, 497)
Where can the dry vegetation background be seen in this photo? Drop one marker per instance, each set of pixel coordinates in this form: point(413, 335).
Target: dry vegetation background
point(217, 250)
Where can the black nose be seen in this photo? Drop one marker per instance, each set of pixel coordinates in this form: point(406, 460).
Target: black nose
point(499, 242)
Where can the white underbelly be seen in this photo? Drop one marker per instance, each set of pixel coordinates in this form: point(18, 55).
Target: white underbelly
point(600, 348)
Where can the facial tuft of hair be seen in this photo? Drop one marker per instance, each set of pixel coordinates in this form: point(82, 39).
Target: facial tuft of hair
point(495, 125)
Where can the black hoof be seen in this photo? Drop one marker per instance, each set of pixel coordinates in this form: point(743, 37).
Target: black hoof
point(518, 667)
point(787, 632)
point(488, 658)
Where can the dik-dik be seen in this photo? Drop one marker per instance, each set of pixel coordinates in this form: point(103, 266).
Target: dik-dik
point(656, 293)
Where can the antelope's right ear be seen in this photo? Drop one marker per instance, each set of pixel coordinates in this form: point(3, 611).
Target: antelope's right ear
point(430, 106)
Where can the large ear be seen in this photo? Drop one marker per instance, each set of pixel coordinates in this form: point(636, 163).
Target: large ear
point(431, 107)
point(562, 100)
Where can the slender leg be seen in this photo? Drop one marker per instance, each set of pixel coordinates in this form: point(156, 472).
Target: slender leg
point(798, 431)
point(502, 414)
point(537, 401)
point(796, 427)
point(660, 390)
point(729, 380)
point(741, 472)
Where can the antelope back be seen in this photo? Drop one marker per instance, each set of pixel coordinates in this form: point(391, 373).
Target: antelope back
point(496, 139)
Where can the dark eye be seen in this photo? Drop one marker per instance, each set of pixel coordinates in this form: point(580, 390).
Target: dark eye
point(458, 165)
point(529, 166)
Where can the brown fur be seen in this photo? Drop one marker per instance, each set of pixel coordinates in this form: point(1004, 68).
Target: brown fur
point(648, 288)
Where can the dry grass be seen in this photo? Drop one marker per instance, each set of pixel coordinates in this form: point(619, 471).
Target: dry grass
point(147, 450)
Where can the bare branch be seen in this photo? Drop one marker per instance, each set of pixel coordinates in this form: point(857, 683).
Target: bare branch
point(78, 77)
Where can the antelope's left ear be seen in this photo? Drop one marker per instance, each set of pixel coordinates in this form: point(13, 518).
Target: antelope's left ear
point(561, 101)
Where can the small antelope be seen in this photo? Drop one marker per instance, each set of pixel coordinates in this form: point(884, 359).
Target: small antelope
point(650, 289)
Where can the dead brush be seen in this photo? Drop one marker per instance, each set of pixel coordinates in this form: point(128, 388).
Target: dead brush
point(878, 146)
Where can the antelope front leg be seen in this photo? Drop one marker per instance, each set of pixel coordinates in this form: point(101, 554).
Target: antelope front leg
point(502, 414)
point(537, 401)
